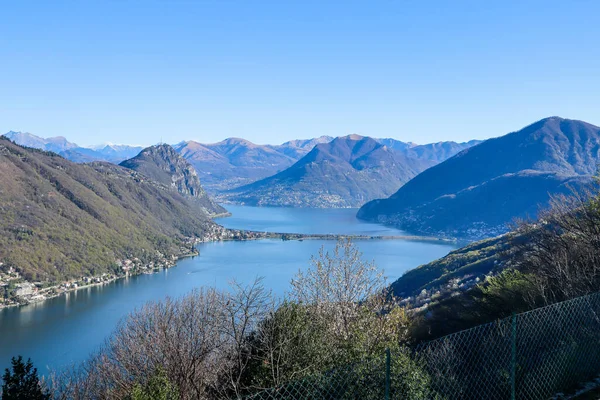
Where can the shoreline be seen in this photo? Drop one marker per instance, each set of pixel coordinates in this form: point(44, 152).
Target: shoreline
point(336, 236)
point(226, 235)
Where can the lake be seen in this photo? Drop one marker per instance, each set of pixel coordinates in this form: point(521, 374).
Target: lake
point(67, 329)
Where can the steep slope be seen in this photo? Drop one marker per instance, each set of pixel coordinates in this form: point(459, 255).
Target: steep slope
point(232, 162)
point(164, 165)
point(343, 173)
point(479, 191)
point(61, 220)
point(457, 271)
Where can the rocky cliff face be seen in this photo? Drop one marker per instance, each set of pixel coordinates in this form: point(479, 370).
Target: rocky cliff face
point(163, 164)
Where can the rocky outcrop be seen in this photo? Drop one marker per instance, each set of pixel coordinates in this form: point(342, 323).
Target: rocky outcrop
point(163, 164)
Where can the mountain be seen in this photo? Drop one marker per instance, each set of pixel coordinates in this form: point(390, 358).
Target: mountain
point(61, 220)
point(232, 162)
point(397, 145)
point(437, 152)
point(440, 151)
point(55, 144)
point(115, 153)
point(82, 155)
point(163, 164)
point(478, 192)
point(298, 148)
point(109, 152)
point(345, 172)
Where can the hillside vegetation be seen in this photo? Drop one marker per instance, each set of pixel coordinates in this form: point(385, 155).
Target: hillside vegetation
point(329, 334)
point(481, 190)
point(539, 263)
point(60, 220)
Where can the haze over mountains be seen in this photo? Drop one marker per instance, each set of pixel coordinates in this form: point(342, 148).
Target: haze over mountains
point(71, 151)
point(478, 192)
point(53, 204)
point(345, 172)
point(55, 144)
point(235, 162)
point(436, 152)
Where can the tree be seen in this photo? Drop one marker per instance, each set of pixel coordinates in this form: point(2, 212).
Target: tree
point(214, 344)
point(340, 312)
point(23, 382)
point(197, 343)
point(353, 297)
point(157, 388)
point(243, 308)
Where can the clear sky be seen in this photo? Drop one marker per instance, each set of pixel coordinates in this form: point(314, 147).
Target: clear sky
point(138, 71)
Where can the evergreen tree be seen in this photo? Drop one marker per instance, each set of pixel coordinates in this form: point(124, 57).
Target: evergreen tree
point(23, 383)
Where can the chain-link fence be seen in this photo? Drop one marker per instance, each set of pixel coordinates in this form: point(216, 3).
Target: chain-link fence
point(533, 355)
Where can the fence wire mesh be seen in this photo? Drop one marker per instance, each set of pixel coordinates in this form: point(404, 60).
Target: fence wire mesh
point(529, 356)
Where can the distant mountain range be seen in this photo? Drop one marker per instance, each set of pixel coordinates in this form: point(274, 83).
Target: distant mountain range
point(163, 164)
point(469, 190)
point(236, 162)
point(298, 148)
point(479, 192)
point(345, 172)
point(71, 151)
point(436, 152)
point(233, 162)
point(54, 144)
point(60, 220)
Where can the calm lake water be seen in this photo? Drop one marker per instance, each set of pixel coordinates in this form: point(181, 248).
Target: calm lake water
point(67, 329)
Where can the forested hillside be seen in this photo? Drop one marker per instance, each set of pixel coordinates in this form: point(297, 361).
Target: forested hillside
point(481, 190)
point(60, 220)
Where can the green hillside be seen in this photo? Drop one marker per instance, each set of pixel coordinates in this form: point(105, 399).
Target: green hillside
point(60, 220)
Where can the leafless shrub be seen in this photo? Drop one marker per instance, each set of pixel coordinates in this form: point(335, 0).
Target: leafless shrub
point(562, 250)
point(194, 340)
point(337, 283)
point(224, 344)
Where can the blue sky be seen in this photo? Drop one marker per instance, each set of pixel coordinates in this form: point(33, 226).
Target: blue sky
point(269, 71)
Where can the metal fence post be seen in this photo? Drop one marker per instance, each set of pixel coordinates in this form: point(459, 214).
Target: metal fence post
point(513, 363)
point(387, 373)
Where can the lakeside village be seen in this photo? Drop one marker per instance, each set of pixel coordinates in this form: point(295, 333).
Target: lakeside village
point(15, 290)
